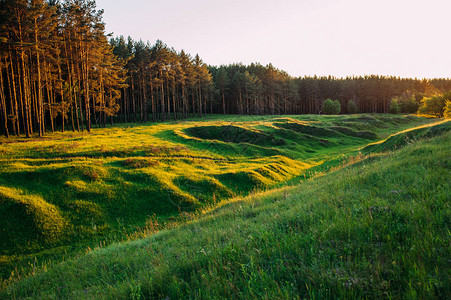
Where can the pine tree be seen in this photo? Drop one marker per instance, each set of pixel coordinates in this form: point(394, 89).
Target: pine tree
point(223, 82)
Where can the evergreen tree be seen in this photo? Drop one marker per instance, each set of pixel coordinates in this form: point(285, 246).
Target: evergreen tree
point(222, 82)
point(352, 107)
point(331, 107)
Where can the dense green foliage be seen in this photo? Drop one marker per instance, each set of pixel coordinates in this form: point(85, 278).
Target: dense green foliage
point(103, 186)
point(447, 112)
point(434, 105)
point(331, 107)
point(408, 104)
point(352, 107)
point(394, 106)
point(376, 228)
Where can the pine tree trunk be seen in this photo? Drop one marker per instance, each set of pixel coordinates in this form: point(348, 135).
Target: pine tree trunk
point(39, 100)
point(48, 87)
point(21, 97)
point(26, 95)
point(241, 102)
point(200, 101)
point(15, 102)
point(79, 77)
point(185, 103)
point(23, 78)
point(193, 103)
point(223, 103)
point(72, 94)
point(85, 76)
point(133, 97)
point(141, 98)
point(173, 103)
point(168, 104)
point(144, 99)
point(154, 116)
point(163, 112)
point(3, 104)
point(125, 111)
point(12, 98)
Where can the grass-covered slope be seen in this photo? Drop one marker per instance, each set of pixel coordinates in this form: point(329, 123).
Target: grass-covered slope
point(106, 185)
point(407, 136)
point(28, 216)
point(378, 227)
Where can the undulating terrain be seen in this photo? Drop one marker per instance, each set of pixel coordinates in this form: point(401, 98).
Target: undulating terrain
point(377, 225)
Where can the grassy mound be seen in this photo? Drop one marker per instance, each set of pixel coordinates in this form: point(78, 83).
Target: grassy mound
point(222, 149)
point(370, 135)
point(372, 121)
point(234, 134)
point(269, 172)
point(25, 219)
point(308, 129)
point(206, 189)
point(408, 136)
point(378, 228)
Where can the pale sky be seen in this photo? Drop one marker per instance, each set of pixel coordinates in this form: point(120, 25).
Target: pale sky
point(407, 38)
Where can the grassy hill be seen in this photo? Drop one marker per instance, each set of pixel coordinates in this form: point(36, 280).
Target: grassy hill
point(98, 188)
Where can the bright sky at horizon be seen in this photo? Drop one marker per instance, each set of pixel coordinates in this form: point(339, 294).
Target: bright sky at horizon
point(407, 38)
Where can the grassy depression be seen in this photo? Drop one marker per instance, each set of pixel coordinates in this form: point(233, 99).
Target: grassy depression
point(75, 191)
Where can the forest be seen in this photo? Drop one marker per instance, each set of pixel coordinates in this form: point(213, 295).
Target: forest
point(60, 70)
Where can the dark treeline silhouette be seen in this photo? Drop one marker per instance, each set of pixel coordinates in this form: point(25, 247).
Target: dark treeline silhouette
point(58, 70)
point(257, 89)
point(162, 83)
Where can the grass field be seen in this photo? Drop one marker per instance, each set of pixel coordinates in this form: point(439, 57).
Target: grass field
point(77, 192)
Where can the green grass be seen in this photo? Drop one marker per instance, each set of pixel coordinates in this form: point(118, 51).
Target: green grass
point(29, 216)
point(78, 191)
point(377, 227)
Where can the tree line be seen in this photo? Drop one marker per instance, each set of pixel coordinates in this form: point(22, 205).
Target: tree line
point(57, 67)
point(166, 84)
point(59, 70)
point(162, 83)
point(257, 89)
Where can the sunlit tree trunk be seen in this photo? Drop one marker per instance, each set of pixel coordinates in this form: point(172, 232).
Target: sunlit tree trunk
point(3, 104)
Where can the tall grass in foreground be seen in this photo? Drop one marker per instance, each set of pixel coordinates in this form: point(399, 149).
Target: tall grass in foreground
point(107, 185)
point(379, 228)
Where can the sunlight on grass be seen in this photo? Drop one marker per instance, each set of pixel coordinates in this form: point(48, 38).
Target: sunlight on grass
point(376, 227)
point(107, 185)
